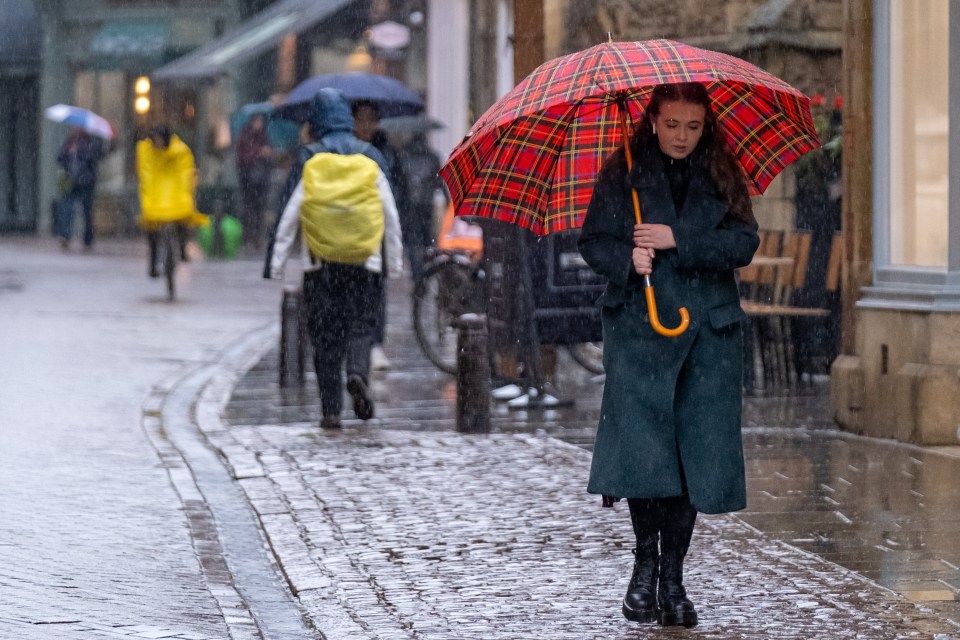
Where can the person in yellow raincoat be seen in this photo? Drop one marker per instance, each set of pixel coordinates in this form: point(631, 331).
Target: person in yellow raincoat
point(168, 180)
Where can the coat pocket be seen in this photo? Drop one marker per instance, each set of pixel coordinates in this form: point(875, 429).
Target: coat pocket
point(726, 315)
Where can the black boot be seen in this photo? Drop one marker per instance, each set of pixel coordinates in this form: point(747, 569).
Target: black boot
point(640, 603)
point(677, 529)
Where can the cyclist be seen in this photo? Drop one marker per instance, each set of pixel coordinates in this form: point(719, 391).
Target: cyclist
point(168, 180)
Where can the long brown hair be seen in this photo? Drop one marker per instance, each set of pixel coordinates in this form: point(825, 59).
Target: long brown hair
point(724, 168)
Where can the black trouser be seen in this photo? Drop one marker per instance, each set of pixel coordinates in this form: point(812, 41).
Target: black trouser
point(254, 195)
point(66, 209)
point(672, 518)
point(153, 240)
point(342, 303)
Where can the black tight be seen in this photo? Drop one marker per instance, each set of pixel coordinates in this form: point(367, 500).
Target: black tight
point(650, 516)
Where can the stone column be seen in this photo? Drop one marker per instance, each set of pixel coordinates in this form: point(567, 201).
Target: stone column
point(847, 380)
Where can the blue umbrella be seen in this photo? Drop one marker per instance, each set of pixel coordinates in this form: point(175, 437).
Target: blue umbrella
point(391, 97)
point(281, 134)
point(82, 118)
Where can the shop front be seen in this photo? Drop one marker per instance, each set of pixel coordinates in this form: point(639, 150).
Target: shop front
point(19, 94)
point(899, 376)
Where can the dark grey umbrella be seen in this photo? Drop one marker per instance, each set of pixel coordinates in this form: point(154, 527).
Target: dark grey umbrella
point(410, 124)
point(391, 97)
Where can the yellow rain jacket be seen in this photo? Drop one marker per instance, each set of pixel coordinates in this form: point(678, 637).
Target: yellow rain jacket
point(168, 178)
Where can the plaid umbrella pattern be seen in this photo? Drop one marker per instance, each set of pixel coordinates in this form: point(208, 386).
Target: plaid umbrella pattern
point(533, 157)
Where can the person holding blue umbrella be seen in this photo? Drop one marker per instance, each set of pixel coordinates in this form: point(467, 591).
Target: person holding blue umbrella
point(78, 158)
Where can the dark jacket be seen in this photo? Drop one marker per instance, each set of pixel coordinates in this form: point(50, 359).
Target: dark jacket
point(421, 166)
point(396, 173)
point(79, 157)
point(670, 416)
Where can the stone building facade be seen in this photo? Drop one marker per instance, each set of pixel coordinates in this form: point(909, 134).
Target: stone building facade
point(797, 40)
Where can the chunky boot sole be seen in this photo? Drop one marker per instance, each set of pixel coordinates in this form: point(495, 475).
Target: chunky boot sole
point(360, 394)
point(678, 618)
point(641, 615)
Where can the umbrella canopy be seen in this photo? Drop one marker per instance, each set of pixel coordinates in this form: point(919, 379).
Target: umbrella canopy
point(410, 124)
point(281, 134)
point(533, 157)
point(392, 97)
point(83, 118)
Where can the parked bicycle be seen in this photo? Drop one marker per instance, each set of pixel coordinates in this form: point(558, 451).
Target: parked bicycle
point(453, 284)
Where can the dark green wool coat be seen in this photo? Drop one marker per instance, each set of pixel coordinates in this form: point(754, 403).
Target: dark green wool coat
point(670, 416)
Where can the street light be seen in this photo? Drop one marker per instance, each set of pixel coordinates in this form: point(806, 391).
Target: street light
point(141, 87)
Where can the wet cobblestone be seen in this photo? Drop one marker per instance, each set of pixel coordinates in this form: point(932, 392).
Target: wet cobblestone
point(440, 535)
point(399, 528)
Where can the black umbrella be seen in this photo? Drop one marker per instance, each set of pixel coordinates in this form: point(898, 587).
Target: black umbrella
point(391, 97)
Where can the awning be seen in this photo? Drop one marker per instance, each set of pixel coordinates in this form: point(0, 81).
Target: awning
point(20, 38)
point(257, 35)
point(130, 45)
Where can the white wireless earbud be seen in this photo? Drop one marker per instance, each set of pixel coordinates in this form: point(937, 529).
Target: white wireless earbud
point(654, 129)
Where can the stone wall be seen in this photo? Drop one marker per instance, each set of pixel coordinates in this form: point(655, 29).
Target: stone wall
point(798, 40)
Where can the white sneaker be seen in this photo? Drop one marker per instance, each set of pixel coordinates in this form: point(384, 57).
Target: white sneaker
point(507, 392)
point(378, 359)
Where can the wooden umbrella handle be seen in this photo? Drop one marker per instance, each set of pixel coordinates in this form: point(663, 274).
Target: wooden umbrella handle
point(647, 283)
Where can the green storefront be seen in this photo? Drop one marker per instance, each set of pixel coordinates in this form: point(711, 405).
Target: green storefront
point(20, 37)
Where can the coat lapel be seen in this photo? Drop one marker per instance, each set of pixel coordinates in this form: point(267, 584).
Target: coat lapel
point(650, 181)
point(702, 207)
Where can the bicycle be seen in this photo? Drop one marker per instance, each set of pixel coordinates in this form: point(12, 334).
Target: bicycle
point(451, 285)
point(168, 253)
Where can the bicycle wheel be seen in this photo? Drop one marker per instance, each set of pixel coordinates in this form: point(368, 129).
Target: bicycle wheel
point(446, 291)
point(588, 355)
point(169, 247)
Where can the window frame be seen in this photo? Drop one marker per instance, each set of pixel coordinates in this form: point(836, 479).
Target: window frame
point(905, 286)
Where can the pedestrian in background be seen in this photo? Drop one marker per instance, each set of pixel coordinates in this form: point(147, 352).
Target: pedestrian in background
point(341, 294)
point(167, 179)
point(421, 164)
point(366, 126)
point(78, 158)
point(254, 164)
point(668, 439)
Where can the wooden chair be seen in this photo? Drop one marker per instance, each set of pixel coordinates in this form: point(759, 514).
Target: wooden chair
point(768, 304)
point(833, 264)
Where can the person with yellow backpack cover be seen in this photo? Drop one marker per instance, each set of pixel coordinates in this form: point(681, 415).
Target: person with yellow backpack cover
point(345, 211)
point(167, 181)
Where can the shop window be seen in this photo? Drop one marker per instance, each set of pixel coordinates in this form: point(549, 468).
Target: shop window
point(103, 92)
point(918, 133)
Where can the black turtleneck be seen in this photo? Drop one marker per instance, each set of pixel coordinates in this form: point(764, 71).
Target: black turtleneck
point(678, 177)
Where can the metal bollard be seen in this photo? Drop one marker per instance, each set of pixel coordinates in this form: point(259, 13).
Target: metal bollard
point(473, 374)
point(292, 337)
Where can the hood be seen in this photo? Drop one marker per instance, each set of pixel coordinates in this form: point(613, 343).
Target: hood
point(330, 113)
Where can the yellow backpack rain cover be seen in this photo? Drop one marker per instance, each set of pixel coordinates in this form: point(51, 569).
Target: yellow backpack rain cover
point(341, 214)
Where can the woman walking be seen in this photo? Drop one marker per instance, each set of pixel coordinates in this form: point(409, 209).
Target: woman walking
point(668, 440)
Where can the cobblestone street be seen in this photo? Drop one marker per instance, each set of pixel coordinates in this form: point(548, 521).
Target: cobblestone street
point(399, 528)
point(122, 520)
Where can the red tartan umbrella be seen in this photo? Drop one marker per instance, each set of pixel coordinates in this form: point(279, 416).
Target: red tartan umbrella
point(533, 157)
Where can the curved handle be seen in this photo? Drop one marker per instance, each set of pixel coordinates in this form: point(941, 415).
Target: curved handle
point(655, 319)
point(647, 284)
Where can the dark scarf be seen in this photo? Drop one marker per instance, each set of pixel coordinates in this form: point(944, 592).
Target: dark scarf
point(678, 177)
